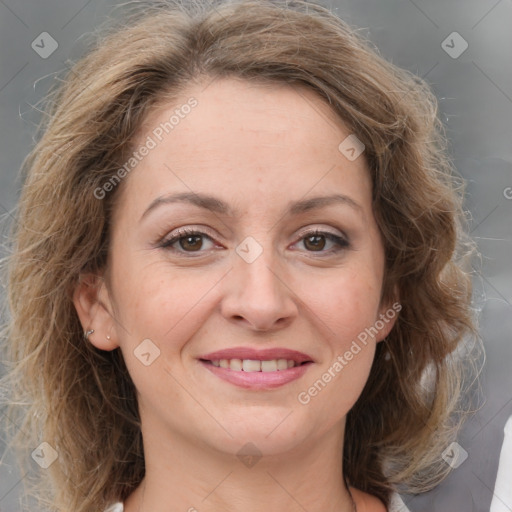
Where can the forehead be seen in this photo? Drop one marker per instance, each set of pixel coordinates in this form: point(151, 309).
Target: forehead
point(247, 140)
point(232, 105)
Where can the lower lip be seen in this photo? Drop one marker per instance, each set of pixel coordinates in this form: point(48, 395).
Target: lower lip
point(258, 380)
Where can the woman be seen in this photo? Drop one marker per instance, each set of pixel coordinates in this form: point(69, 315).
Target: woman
point(239, 276)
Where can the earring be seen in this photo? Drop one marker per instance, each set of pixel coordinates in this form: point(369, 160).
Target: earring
point(87, 333)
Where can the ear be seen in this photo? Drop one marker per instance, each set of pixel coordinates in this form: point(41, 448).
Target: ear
point(93, 305)
point(388, 314)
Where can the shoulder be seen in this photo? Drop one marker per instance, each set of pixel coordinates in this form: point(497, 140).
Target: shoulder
point(366, 502)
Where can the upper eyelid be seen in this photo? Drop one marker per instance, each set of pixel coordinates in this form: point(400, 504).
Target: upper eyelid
point(206, 231)
point(307, 231)
point(203, 231)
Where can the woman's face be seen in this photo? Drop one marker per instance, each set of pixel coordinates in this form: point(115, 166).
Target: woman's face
point(259, 171)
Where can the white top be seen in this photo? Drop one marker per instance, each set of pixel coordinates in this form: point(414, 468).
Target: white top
point(396, 505)
point(116, 507)
point(502, 499)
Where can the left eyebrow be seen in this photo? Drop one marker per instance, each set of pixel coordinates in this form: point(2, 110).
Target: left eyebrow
point(305, 205)
point(215, 204)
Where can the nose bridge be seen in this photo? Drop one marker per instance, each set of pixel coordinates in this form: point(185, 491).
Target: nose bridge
point(259, 294)
point(256, 264)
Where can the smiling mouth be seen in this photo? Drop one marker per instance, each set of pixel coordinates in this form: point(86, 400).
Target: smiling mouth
point(255, 365)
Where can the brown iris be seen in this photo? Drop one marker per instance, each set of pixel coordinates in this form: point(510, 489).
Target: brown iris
point(189, 241)
point(318, 241)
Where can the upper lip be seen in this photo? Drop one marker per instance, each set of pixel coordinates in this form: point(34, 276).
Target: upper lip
point(257, 354)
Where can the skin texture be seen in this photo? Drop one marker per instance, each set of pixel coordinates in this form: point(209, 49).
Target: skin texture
point(256, 148)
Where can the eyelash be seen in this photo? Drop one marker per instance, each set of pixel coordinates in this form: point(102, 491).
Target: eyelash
point(341, 242)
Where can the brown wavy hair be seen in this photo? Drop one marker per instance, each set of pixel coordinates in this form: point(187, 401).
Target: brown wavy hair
point(81, 400)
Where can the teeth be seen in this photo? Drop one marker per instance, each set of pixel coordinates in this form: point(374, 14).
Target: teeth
point(282, 364)
point(269, 366)
point(235, 364)
point(254, 365)
point(251, 365)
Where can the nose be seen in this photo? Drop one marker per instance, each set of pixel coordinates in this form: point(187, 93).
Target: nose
point(258, 294)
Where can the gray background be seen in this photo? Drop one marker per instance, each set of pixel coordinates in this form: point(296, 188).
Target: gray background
point(475, 97)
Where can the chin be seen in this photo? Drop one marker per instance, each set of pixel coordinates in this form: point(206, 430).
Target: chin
point(272, 433)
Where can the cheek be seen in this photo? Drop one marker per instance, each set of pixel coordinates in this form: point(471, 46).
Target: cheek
point(160, 314)
point(349, 303)
point(161, 305)
point(349, 309)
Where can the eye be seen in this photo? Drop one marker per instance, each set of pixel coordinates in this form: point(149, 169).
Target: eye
point(188, 240)
point(316, 241)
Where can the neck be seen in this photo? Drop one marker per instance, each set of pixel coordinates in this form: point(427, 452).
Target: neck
point(182, 475)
